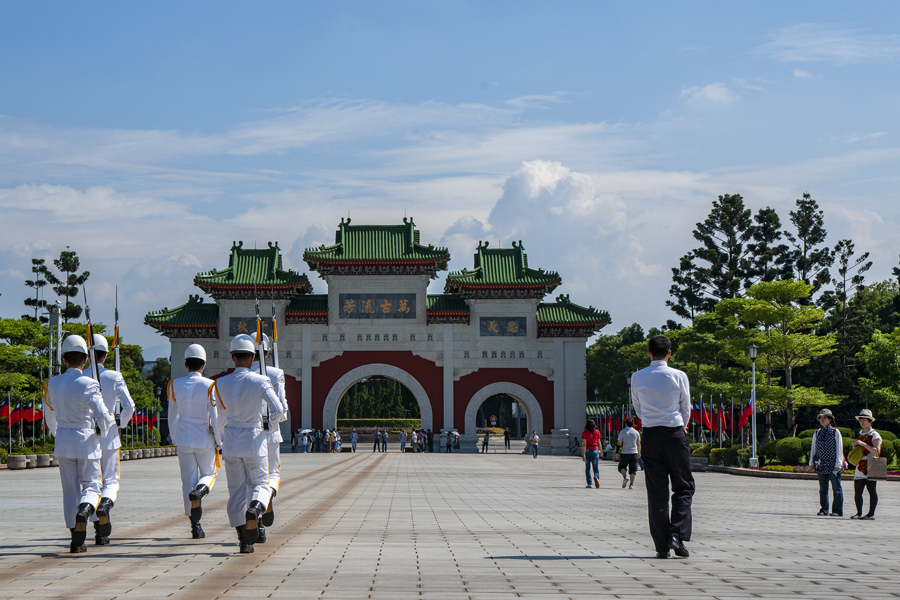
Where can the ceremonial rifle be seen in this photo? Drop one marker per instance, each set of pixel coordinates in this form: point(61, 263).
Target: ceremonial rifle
point(92, 352)
point(118, 407)
point(260, 351)
point(274, 332)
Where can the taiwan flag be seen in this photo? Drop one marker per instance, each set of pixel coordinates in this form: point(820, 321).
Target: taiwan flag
point(4, 409)
point(27, 411)
point(139, 417)
point(723, 422)
point(151, 419)
point(695, 412)
point(704, 417)
point(16, 415)
point(637, 423)
point(35, 412)
point(746, 413)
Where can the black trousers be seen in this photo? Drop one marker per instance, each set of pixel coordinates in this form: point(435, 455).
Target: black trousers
point(667, 458)
point(865, 484)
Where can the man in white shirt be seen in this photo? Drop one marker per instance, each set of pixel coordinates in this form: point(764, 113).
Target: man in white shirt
point(194, 424)
point(242, 398)
point(662, 399)
point(75, 409)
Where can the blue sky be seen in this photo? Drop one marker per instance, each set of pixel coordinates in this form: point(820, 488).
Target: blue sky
point(149, 136)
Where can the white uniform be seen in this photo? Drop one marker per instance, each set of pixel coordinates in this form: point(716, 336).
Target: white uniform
point(75, 409)
point(112, 388)
point(273, 436)
point(242, 398)
point(194, 426)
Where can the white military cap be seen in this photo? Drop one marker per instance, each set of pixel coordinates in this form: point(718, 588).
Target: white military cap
point(195, 351)
point(100, 344)
point(74, 343)
point(243, 343)
point(265, 343)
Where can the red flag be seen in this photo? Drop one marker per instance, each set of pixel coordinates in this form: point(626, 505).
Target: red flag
point(723, 423)
point(704, 416)
point(4, 409)
point(746, 413)
point(16, 415)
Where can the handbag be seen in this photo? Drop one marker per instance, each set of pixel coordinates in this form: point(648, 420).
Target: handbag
point(855, 455)
point(876, 469)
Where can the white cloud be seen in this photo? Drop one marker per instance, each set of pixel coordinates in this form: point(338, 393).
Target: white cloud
point(714, 94)
point(801, 74)
point(810, 42)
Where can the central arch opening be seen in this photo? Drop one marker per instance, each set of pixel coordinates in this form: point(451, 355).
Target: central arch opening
point(378, 397)
point(503, 410)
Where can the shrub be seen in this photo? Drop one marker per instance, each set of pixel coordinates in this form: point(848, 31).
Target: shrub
point(888, 451)
point(888, 435)
point(717, 456)
point(806, 433)
point(744, 455)
point(847, 445)
point(789, 451)
point(3, 455)
point(806, 444)
point(846, 432)
point(391, 424)
point(731, 456)
point(695, 446)
point(703, 451)
point(767, 450)
point(896, 447)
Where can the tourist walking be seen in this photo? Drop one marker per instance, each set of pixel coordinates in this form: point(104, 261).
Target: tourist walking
point(590, 452)
point(430, 436)
point(449, 449)
point(402, 440)
point(506, 437)
point(76, 408)
point(826, 456)
point(376, 447)
point(629, 451)
point(662, 400)
point(414, 441)
point(305, 441)
point(485, 441)
point(870, 441)
point(194, 424)
point(535, 441)
point(354, 438)
point(384, 440)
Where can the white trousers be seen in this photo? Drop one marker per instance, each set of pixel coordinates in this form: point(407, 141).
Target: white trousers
point(81, 481)
point(247, 481)
point(274, 465)
point(198, 465)
point(111, 467)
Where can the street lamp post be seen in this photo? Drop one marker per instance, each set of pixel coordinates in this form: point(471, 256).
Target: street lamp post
point(630, 407)
point(752, 351)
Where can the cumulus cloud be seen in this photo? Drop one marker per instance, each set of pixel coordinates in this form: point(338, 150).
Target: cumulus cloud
point(714, 94)
point(811, 42)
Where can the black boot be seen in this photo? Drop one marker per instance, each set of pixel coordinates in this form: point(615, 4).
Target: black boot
point(99, 538)
point(73, 547)
point(251, 532)
point(246, 548)
point(84, 513)
point(195, 496)
point(261, 536)
point(103, 510)
point(268, 518)
point(197, 531)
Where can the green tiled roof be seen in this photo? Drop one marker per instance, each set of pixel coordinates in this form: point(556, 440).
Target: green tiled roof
point(377, 244)
point(313, 303)
point(195, 318)
point(502, 268)
point(565, 312)
point(446, 303)
point(247, 267)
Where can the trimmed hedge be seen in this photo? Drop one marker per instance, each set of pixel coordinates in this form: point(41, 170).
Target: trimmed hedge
point(3, 456)
point(888, 450)
point(806, 444)
point(703, 450)
point(380, 423)
point(717, 456)
point(789, 451)
point(806, 433)
point(888, 435)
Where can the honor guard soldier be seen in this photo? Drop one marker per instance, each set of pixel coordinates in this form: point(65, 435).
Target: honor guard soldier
point(243, 398)
point(193, 421)
point(118, 402)
point(77, 412)
point(274, 438)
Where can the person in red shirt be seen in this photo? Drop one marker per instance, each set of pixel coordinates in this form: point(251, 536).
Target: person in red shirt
point(590, 452)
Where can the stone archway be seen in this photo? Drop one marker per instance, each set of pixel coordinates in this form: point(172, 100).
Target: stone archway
point(340, 387)
point(533, 414)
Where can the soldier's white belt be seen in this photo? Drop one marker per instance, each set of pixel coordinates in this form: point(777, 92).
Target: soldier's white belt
point(79, 425)
point(241, 425)
point(196, 420)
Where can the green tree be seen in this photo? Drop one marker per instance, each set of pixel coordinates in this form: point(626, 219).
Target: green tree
point(881, 358)
point(66, 287)
point(607, 367)
point(37, 284)
point(687, 290)
point(809, 257)
point(770, 259)
point(774, 310)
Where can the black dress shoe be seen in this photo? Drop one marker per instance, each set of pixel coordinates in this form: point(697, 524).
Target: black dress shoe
point(261, 536)
point(103, 509)
point(73, 547)
point(678, 547)
point(268, 518)
point(251, 531)
point(197, 531)
point(99, 538)
point(246, 547)
point(662, 554)
point(195, 496)
point(84, 513)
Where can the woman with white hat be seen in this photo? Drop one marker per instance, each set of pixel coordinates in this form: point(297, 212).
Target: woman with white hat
point(870, 441)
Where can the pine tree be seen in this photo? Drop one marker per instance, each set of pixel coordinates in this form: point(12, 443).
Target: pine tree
point(688, 290)
point(770, 259)
point(67, 287)
point(37, 303)
point(809, 257)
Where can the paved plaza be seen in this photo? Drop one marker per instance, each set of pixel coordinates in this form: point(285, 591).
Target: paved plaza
point(401, 526)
